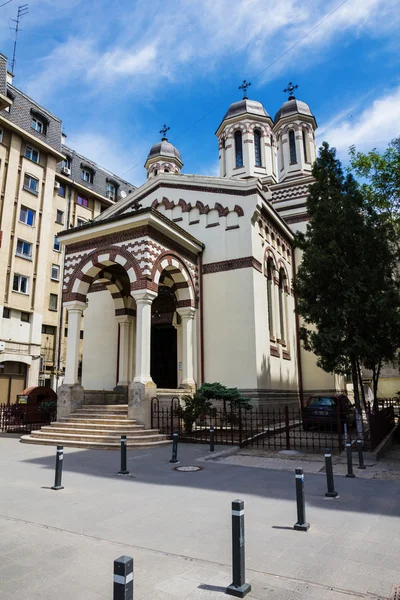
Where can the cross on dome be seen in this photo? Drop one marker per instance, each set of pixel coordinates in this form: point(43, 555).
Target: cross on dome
point(163, 131)
point(290, 89)
point(244, 87)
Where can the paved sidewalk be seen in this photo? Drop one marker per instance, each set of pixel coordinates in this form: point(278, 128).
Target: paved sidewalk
point(61, 545)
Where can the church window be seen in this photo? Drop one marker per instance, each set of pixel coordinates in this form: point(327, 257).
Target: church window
point(155, 172)
point(257, 147)
point(238, 149)
point(272, 155)
point(282, 303)
point(166, 170)
point(292, 147)
point(306, 146)
point(281, 152)
point(270, 283)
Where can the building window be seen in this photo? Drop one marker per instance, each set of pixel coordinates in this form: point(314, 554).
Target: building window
point(53, 302)
point(292, 147)
point(80, 222)
point(1, 136)
point(270, 283)
point(87, 176)
point(6, 313)
point(27, 216)
point(60, 217)
point(257, 147)
point(55, 272)
point(306, 146)
point(282, 303)
point(24, 249)
point(32, 154)
point(83, 201)
point(25, 317)
point(48, 329)
point(111, 190)
point(56, 245)
point(81, 334)
point(61, 191)
point(281, 160)
point(238, 149)
point(271, 140)
point(20, 284)
point(31, 184)
point(66, 164)
point(37, 125)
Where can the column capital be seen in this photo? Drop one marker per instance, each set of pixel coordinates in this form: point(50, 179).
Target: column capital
point(124, 318)
point(75, 305)
point(186, 312)
point(143, 296)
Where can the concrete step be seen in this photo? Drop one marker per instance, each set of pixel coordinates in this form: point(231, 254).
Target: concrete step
point(73, 437)
point(109, 432)
point(107, 408)
point(96, 421)
point(98, 415)
point(131, 426)
point(28, 439)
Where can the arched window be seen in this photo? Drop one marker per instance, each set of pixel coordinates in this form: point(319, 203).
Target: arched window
point(155, 172)
point(270, 283)
point(292, 147)
point(282, 164)
point(306, 146)
point(272, 155)
point(257, 148)
point(282, 304)
point(166, 170)
point(238, 149)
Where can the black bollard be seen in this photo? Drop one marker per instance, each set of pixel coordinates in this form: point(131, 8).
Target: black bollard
point(123, 470)
point(59, 463)
point(174, 458)
point(123, 578)
point(360, 455)
point(349, 460)
point(301, 524)
point(212, 434)
point(238, 588)
point(329, 475)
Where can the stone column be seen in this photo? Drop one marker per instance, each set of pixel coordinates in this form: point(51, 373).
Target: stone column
point(187, 315)
point(124, 351)
point(141, 389)
point(70, 394)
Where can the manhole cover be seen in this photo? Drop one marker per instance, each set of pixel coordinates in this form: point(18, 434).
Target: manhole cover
point(395, 595)
point(188, 468)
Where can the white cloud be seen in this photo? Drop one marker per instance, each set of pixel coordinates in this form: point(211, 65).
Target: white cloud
point(373, 126)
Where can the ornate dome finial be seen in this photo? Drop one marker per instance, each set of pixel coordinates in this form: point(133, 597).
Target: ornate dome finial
point(163, 131)
point(290, 89)
point(244, 87)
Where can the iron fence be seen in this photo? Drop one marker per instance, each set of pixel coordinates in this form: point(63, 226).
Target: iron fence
point(20, 418)
point(381, 423)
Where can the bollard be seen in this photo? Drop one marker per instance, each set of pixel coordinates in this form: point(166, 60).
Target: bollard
point(301, 524)
point(238, 588)
point(123, 578)
point(123, 470)
point(360, 455)
point(59, 463)
point(212, 434)
point(329, 475)
point(174, 458)
point(349, 460)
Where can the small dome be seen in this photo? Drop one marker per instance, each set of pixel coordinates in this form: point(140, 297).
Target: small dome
point(245, 106)
point(293, 107)
point(165, 149)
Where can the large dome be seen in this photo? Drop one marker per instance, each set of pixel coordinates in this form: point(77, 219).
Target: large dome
point(246, 106)
point(166, 149)
point(293, 107)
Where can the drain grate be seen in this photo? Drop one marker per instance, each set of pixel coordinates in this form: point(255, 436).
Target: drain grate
point(395, 595)
point(188, 468)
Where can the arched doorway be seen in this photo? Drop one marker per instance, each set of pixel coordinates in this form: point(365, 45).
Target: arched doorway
point(164, 341)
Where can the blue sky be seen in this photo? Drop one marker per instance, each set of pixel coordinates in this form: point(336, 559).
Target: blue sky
point(116, 70)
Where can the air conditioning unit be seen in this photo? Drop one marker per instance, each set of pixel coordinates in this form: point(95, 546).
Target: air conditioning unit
point(66, 171)
point(2, 346)
point(57, 185)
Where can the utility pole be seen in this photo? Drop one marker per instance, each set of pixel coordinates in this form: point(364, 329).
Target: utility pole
point(22, 11)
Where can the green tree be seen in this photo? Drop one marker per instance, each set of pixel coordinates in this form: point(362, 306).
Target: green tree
point(347, 294)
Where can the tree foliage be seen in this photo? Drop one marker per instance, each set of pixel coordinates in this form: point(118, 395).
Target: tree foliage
point(347, 293)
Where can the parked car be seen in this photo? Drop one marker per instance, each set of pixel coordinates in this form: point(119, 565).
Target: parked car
point(323, 411)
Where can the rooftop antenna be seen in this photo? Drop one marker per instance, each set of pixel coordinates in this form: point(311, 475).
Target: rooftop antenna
point(22, 11)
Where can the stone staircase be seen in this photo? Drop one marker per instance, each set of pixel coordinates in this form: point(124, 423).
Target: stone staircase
point(99, 427)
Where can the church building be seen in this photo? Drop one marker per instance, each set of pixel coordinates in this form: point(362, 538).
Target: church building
point(189, 279)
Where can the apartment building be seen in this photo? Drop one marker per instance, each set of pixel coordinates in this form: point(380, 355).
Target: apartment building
point(45, 187)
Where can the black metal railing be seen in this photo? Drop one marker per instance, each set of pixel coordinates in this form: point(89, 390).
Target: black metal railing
point(21, 418)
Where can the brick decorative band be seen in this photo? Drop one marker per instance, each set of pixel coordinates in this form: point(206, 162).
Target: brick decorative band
point(233, 264)
point(297, 218)
point(274, 351)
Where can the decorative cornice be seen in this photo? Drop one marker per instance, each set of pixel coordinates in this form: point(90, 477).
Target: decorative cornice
point(231, 265)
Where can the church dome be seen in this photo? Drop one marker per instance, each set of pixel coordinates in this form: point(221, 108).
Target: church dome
point(164, 149)
point(293, 107)
point(245, 106)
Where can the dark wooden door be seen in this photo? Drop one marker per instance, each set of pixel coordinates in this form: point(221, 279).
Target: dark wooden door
point(164, 356)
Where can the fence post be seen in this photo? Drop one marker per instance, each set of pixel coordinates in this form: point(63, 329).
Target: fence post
point(329, 475)
point(123, 578)
point(123, 470)
point(59, 463)
point(238, 587)
point(287, 428)
point(301, 524)
point(240, 427)
point(212, 433)
point(349, 460)
point(174, 458)
point(360, 455)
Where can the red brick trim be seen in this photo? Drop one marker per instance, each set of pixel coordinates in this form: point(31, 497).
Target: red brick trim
point(125, 311)
point(194, 222)
point(274, 351)
point(232, 227)
point(183, 303)
point(233, 264)
point(286, 355)
point(212, 225)
point(296, 218)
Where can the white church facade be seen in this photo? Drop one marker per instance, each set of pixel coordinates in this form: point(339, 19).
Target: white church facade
point(189, 279)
